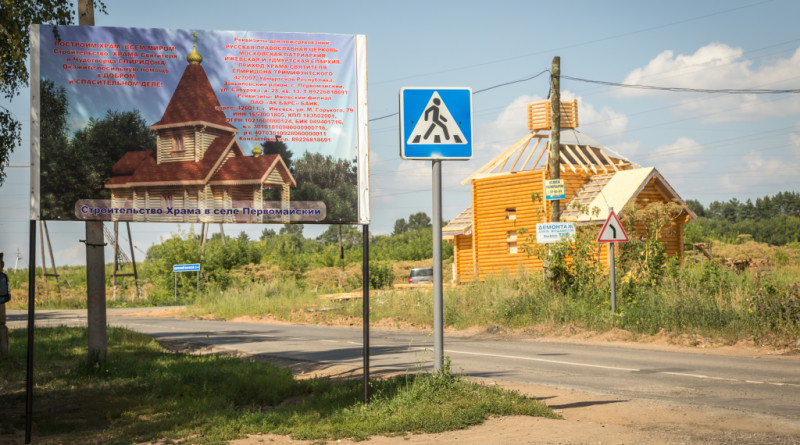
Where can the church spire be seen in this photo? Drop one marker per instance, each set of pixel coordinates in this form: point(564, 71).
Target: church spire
point(194, 58)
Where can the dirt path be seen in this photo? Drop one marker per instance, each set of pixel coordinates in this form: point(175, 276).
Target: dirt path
point(598, 419)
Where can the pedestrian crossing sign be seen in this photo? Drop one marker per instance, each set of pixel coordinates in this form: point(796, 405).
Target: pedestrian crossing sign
point(436, 123)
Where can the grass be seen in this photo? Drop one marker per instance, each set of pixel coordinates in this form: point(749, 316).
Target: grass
point(146, 394)
point(697, 299)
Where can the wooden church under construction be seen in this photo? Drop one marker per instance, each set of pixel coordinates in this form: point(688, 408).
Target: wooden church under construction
point(488, 236)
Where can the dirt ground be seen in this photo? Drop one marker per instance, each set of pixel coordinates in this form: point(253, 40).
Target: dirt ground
point(588, 418)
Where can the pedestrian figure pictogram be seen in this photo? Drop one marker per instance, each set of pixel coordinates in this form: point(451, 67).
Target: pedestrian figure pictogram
point(436, 125)
point(433, 110)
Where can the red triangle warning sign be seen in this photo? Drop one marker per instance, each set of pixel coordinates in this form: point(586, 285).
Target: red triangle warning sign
point(612, 231)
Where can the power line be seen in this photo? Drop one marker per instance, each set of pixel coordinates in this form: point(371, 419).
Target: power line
point(478, 91)
point(686, 90)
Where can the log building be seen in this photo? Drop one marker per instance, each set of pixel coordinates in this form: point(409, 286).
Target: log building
point(488, 236)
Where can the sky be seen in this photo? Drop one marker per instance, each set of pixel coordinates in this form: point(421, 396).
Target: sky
point(709, 147)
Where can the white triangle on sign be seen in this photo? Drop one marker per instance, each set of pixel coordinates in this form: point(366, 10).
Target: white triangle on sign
point(612, 230)
point(436, 125)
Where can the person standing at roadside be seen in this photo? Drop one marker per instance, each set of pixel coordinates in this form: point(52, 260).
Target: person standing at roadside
point(5, 296)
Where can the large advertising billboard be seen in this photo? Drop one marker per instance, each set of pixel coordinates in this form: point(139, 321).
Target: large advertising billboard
point(169, 125)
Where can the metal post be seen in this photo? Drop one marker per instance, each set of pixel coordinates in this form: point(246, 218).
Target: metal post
point(438, 325)
point(175, 287)
point(612, 273)
point(31, 318)
point(613, 279)
point(365, 303)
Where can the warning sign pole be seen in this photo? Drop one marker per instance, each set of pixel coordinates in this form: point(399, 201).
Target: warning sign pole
point(613, 278)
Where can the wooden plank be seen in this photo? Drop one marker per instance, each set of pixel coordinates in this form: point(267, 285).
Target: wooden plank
point(521, 151)
point(503, 157)
point(607, 159)
point(579, 150)
point(564, 160)
point(569, 150)
point(530, 154)
point(596, 159)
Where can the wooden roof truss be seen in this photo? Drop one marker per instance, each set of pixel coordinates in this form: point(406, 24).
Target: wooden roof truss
point(460, 225)
point(587, 158)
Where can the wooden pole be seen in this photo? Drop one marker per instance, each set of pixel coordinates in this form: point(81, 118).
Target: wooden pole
point(95, 254)
point(44, 265)
point(50, 250)
point(116, 261)
point(341, 249)
point(555, 132)
point(133, 261)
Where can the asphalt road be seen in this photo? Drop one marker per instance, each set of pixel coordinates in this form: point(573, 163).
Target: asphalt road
point(767, 386)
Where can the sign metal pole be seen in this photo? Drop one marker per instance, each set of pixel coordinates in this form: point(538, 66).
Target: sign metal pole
point(613, 279)
point(612, 272)
point(438, 328)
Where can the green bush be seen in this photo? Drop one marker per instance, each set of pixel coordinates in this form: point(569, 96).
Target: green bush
point(381, 275)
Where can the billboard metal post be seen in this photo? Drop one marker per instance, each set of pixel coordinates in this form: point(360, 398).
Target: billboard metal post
point(31, 319)
point(365, 302)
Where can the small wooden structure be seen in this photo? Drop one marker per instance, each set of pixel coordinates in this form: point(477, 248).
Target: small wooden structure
point(198, 163)
point(487, 236)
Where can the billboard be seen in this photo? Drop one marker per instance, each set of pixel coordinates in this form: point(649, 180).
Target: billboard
point(170, 125)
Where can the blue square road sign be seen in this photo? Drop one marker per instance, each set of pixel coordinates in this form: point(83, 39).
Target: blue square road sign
point(436, 123)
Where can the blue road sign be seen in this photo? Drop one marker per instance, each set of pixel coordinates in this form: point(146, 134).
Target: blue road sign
point(185, 267)
point(436, 123)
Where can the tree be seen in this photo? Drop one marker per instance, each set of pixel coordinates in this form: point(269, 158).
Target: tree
point(696, 207)
point(416, 221)
point(330, 180)
point(16, 17)
point(291, 229)
point(278, 147)
point(55, 142)
point(81, 169)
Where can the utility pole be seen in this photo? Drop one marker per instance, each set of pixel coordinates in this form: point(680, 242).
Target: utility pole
point(95, 254)
point(555, 132)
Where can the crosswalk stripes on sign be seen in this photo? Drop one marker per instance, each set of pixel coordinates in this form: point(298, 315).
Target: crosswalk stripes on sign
point(436, 125)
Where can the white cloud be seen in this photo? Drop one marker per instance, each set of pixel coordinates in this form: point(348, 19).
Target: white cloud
point(675, 159)
point(718, 66)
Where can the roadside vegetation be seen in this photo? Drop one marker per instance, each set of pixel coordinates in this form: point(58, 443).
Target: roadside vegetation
point(285, 276)
point(144, 393)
